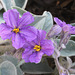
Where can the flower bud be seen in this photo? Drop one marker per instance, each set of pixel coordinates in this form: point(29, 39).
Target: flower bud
point(55, 30)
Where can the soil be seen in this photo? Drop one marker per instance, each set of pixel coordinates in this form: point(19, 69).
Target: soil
point(63, 9)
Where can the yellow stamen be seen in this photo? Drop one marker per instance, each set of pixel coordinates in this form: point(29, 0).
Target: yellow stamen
point(16, 30)
point(37, 47)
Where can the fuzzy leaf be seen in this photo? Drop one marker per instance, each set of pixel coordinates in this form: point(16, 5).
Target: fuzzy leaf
point(45, 23)
point(7, 4)
point(20, 10)
point(21, 62)
point(9, 58)
point(7, 68)
point(13, 60)
point(39, 22)
point(48, 21)
point(1, 16)
point(69, 50)
point(41, 68)
point(73, 24)
point(73, 64)
point(21, 3)
point(73, 37)
point(1, 6)
point(19, 71)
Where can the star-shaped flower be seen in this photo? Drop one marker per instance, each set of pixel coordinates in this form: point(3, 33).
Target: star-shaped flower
point(37, 48)
point(17, 29)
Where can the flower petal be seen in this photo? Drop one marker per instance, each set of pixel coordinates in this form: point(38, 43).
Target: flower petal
point(54, 31)
point(11, 17)
point(17, 40)
point(47, 47)
point(58, 21)
point(72, 30)
point(30, 33)
point(5, 31)
point(29, 44)
point(26, 54)
point(36, 57)
point(26, 19)
point(41, 35)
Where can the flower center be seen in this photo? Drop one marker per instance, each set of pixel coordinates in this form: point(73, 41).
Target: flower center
point(16, 30)
point(37, 47)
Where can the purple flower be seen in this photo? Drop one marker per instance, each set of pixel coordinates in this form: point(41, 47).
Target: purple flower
point(37, 48)
point(16, 28)
point(67, 30)
point(55, 30)
point(63, 74)
point(65, 27)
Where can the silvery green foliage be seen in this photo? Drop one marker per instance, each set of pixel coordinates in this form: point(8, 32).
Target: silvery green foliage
point(40, 68)
point(44, 22)
point(20, 10)
point(69, 50)
point(1, 6)
point(21, 3)
point(7, 4)
point(73, 37)
point(1, 16)
point(67, 64)
point(73, 24)
point(9, 66)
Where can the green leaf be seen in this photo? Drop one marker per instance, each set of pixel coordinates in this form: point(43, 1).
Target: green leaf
point(48, 21)
point(9, 58)
point(39, 22)
point(69, 50)
point(1, 6)
point(7, 68)
point(45, 23)
point(13, 60)
point(1, 16)
point(73, 64)
point(73, 24)
point(73, 37)
point(21, 3)
point(7, 4)
point(19, 71)
point(20, 63)
point(20, 10)
point(32, 68)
